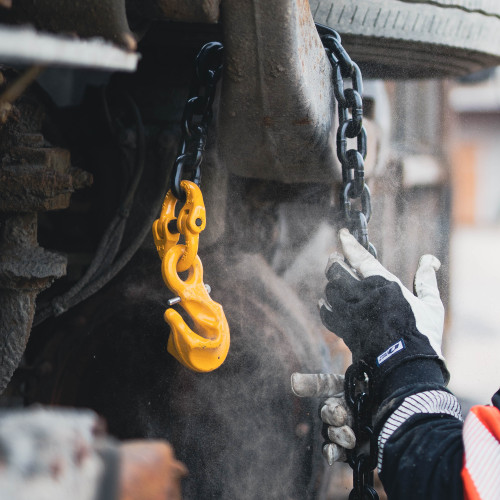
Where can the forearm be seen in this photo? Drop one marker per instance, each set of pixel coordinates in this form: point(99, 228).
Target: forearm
point(419, 428)
point(398, 336)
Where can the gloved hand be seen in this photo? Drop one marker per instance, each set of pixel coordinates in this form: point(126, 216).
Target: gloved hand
point(380, 320)
point(334, 413)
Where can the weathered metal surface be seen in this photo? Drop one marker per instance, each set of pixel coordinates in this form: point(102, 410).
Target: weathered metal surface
point(277, 108)
point(187, 11)
point(85, 18)
point(106, 19)
point(43, 176)
point(48, 454)
point(25, 270)
point(150, 471)
point(415, 39)
point(276, 115)
point(56, 454)
point(22, 45)
point(33, 177)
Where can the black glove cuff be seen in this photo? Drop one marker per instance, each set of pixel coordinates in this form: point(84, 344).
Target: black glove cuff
point(410, 372)
point(410, 346)
point(414, 368)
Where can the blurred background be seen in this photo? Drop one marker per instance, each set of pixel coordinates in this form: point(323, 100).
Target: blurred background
point(474, 315)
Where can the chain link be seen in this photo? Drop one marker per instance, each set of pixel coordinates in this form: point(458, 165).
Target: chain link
point(357, 388)
point(350, 114)
point(359, 397)
point(197, 116)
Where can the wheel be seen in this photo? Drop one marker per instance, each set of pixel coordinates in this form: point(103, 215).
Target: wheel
point(415, 38)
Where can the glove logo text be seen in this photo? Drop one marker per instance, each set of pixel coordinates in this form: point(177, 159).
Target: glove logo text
point(398, 346)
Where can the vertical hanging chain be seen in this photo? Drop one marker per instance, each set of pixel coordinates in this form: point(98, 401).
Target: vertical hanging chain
point(358, 378)
point(350, 114)
point(362, 459)
point(197, 117)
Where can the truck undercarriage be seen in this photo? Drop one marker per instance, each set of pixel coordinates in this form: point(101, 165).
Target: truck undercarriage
point(87, 155)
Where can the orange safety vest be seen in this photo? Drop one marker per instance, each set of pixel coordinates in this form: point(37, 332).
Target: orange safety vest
point(481, 468)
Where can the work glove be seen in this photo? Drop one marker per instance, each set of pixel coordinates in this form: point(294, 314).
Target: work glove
point(381, 321)
point(334, 412)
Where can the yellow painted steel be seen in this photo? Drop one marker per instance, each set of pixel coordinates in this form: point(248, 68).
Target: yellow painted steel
point(191, 221)
point(206, 350)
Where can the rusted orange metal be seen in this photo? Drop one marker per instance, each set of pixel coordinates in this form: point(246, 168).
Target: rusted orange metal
point(150, 471)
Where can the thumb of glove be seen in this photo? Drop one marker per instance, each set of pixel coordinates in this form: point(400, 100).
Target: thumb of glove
point(427, 306)
point(425, 282)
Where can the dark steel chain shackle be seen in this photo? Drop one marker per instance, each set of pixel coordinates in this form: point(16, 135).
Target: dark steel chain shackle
point(358, 377)
point(197, 116)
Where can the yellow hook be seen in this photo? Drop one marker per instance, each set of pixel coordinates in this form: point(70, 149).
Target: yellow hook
point(190, 222)
point(205, 352)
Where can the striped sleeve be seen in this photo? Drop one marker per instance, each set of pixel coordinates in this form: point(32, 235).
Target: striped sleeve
point(419, 431)
point(428, 402)
point(481, 470)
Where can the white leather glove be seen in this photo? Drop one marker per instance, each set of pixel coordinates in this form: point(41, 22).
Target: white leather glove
point(381, 321)
point(334, 412)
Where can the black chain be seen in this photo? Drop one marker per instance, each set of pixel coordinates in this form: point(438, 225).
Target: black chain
point(358, 378)
point(359, 397)
point(197, 117)
point(350, 113)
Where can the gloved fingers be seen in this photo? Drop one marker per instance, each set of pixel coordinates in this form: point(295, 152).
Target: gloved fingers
point(337, 267)
point(328, 318)
point(342, 436)
point(348, 291)
point(425, 283)
point(361, 260)
point(343, 287)
point(334, 453)
point(340, 320)
point(335, 412)
point(314, 385)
